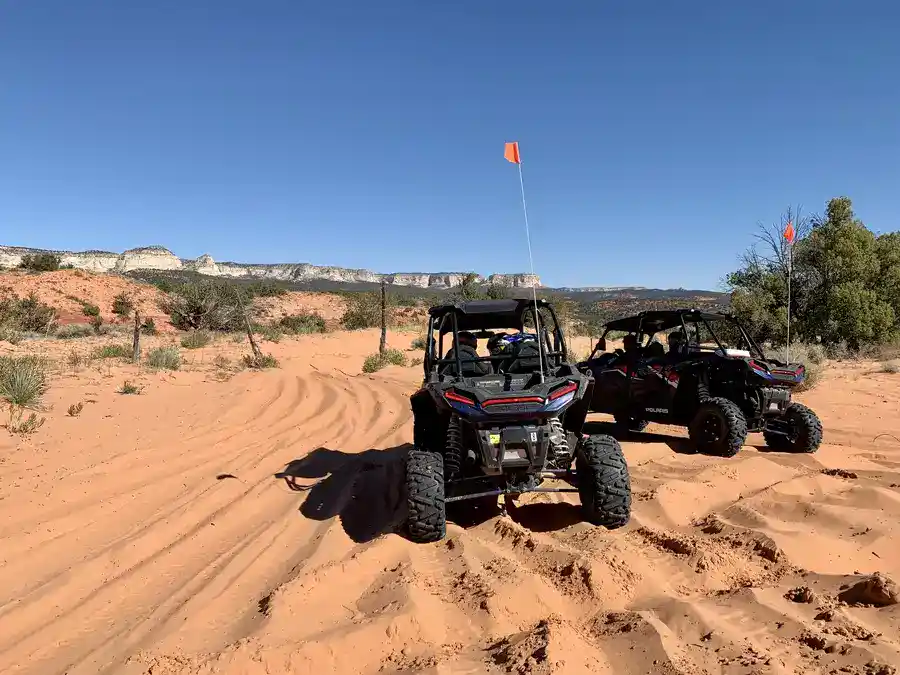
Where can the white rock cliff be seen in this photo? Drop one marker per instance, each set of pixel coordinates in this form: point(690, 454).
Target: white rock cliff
point(159, 258)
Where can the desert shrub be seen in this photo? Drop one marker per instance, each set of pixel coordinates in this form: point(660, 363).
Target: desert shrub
point(129, 387)
point(391, 357)
point(23, 380)
point(302, 324)
point(165, 285)
point(122, 305)
point(265, 361)
point(196, 339)
point(90, 310)
point(149, 327)
point(890, 367)
point(10, 334)
point(168, 358)
point(75, 409)
point(26, 314)
point(73, 331)
point(270, 333)
point(114, 351)
point(206, 305)
point(264, 289)
point(363, 311)
point(26, 426)
point(418, 361)
point(418, 343)
point(221, 361)
point(40, 262)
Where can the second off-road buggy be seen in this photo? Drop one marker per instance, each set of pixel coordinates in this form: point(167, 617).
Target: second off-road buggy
point(720, 394)
point(508, 422)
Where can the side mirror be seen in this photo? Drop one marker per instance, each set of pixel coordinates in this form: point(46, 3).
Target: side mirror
point(601, 344)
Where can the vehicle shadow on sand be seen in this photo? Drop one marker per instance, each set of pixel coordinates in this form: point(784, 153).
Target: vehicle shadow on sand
point(364, 489)
point(682, 446)
point(367, 492)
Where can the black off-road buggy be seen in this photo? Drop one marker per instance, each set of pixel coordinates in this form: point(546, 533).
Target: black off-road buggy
point(719, 394)
point(505, 423)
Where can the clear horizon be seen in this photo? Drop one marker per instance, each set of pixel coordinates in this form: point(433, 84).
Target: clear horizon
point(653, 139)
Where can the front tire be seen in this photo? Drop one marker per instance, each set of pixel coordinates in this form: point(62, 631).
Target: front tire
point(603, 481)
point(426, 510)
point(804, 431)
point(719, 428)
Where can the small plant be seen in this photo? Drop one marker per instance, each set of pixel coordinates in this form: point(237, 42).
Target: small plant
point(74, 331)
point(113, 352)
point(29, 425)
point(10, 335)
point(90, 310)
point(391, 357)
point(168, 358)
point(270, 333)
point(302, 324)
point(75, 409)
point(122, 305)
point(97, 324)
point(27, 314)
point(890, 367)
point(23, 380)
point(418, 361)
point(364, 311)
point(196, 339)
point(129, 387)
point(149, 327)
point(265, 361)
point(75, 360)
point(418, 343)
point(40, 262)
point(221, 362)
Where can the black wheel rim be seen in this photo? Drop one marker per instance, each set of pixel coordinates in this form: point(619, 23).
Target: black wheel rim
point(711, 430)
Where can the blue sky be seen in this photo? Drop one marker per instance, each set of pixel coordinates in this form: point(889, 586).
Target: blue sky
point(654, 135)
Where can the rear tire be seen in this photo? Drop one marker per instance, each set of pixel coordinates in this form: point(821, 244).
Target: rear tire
point(603, 481)
point(426, 510)
point(719, 428)
point(805, 431)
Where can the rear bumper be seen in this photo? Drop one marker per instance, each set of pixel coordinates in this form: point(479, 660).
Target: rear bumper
point(513, 448)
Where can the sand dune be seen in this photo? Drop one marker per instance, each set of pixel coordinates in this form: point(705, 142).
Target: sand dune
point(250, 526)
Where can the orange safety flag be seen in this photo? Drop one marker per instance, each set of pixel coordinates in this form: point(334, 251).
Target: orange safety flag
point(512, 152)
point(789, 232)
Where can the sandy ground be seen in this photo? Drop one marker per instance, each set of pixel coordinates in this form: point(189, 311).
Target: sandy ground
point(150, 535)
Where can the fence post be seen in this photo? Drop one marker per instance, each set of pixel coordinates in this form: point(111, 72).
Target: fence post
point(136, 353)
point(383, 343)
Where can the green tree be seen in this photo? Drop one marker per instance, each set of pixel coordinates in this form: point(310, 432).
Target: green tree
point(844, 280)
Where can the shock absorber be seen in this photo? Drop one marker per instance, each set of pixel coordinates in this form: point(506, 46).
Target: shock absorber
point(454, 449)
point(559, 444)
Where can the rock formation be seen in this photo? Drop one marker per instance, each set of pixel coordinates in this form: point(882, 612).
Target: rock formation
point(159, 258)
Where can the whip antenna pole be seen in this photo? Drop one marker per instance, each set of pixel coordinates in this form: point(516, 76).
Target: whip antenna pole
point(789, 234)
point(512, 155)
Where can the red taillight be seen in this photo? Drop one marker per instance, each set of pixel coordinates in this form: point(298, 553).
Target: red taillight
point(520, 399)
point(562, 391)
point(453, 396)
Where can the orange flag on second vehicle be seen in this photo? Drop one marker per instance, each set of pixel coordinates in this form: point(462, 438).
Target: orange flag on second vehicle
point(789, 232)
point(512, 152)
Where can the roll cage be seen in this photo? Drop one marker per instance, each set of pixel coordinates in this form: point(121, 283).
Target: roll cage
point(649, 323)
point(481, 317)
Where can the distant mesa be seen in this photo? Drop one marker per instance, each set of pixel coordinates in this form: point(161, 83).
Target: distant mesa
point(161, 258)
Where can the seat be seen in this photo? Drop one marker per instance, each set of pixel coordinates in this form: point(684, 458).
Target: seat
point(470, 369)
point(655, 350)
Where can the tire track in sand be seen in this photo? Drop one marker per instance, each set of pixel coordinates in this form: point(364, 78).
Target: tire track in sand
point(128, 578)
